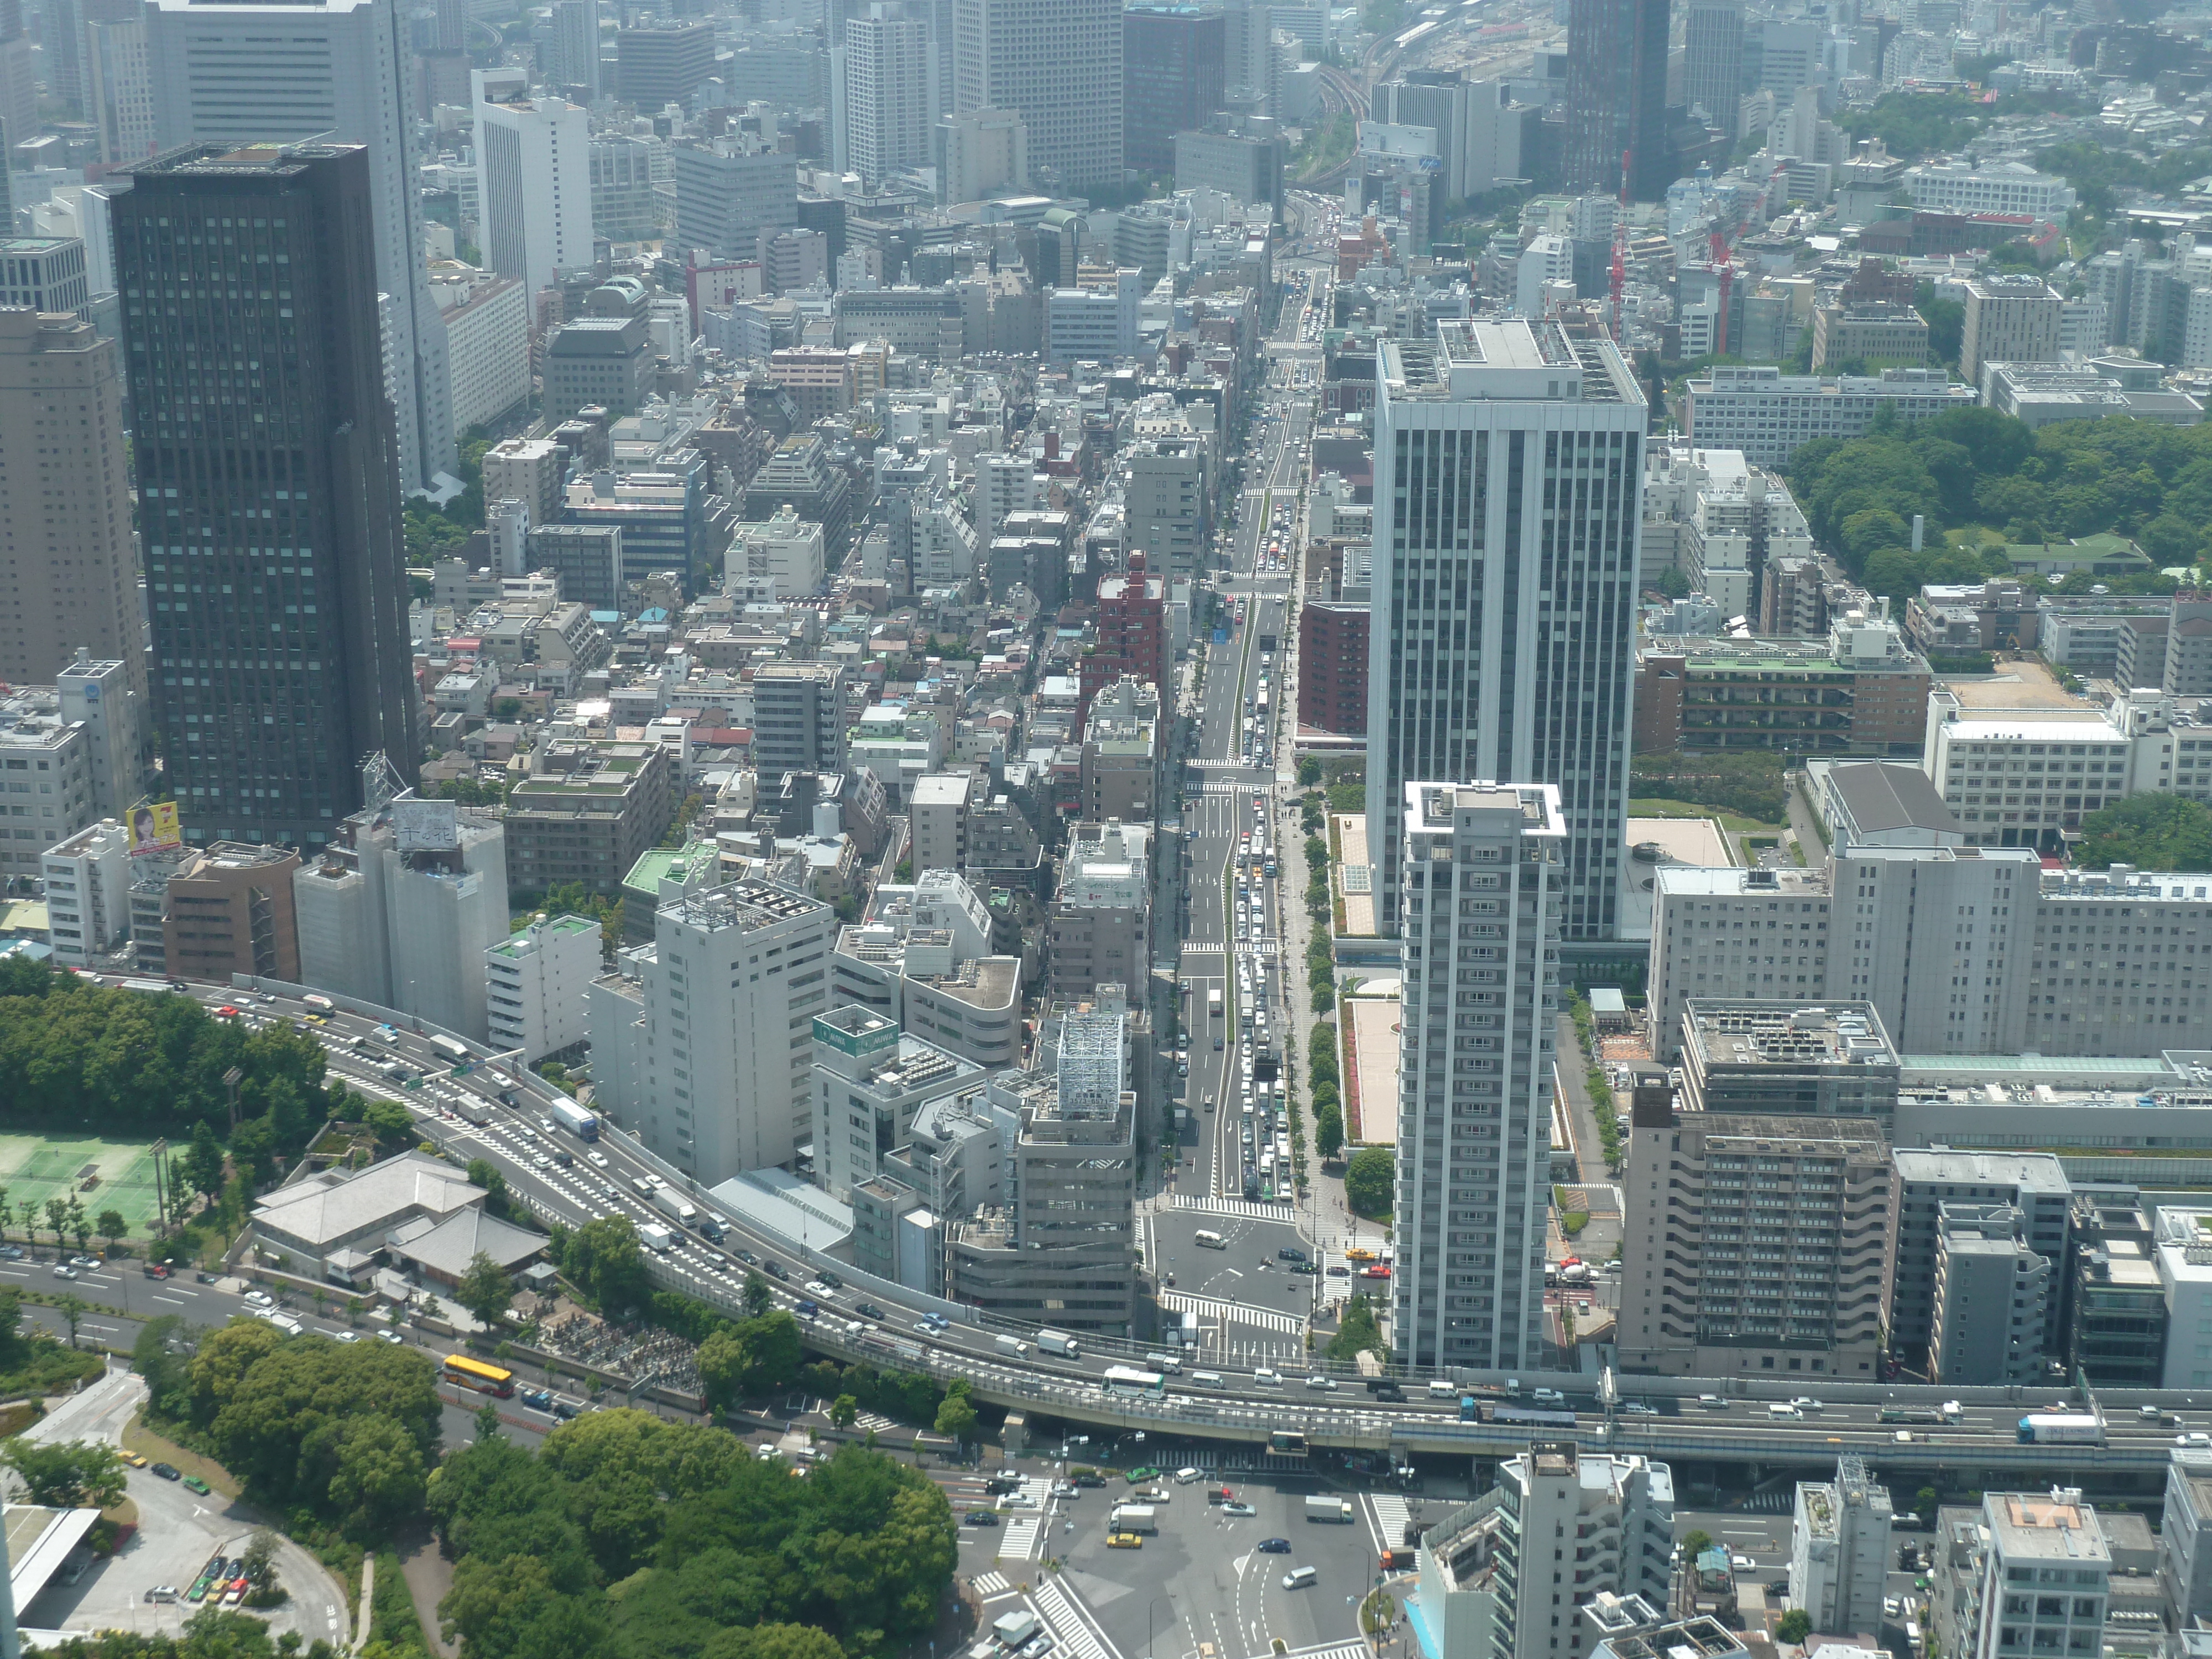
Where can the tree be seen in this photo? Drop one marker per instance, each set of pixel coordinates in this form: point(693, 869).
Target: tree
point(112, 1226)
point(202, 1164)
point(2154, 832)
point(758, 1298)
point(1356, 1333)
point(160, 1370)
point(72, 1309)
point(1794, 1626)
point(388, 1121)
point(605, 1259)
point(1695, 1543)
point(56, 1220)
point(75, 1474)
point(485, 1289)
point(1367, 1181)
point(379, 1476)
point(955, 1417)
point(80, 1229)
point(1309, 772)
point(844, 1412)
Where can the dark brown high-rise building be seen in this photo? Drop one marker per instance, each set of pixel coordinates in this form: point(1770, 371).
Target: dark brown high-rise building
point(1617, 97)
point(269, 485)
point(1174, 70)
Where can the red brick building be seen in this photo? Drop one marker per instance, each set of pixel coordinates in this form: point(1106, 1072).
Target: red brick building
point(1132, 634)
point(1333, 666)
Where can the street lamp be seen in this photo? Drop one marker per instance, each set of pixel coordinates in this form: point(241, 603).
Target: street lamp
point(1149, 1609)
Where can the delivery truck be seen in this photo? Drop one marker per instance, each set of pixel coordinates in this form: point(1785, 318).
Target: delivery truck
point(677, 1208)
point(1058, 1342)
point(1332, 1510)
point(655, 1237)
point(1134, 1517)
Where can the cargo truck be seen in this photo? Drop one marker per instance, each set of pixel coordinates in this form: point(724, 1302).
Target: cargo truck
point(1058, 1342)
point(1333, 1509)
point(677, 1208)
point(1134, 1517)
point(655, 1237)
point(584, 1125)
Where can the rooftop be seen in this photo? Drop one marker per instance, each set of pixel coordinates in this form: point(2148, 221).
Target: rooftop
point(747, 905)
point(341, 1204)
point(1884, 795)
point(1755, 1033)
point(2055, 1526)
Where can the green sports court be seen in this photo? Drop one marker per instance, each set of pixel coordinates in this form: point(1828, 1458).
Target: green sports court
point(35, 1168)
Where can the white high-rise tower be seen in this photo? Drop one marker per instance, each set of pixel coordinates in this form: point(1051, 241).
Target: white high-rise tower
point(534, 185)
point(1509, 482)
point(1483, 879)
point(286, 73)
point(884, 89)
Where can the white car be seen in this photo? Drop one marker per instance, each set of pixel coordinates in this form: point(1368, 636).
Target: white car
point(1637, 1408)
point(259, 1299)
point(346, 1336)
point(598, 1160)
point(1742, 1563)
point(1322, 1384)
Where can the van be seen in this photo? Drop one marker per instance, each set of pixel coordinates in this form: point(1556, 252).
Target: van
point(1440, 1390)
point(1188, 1477)
point(1299, 1577)
point(1206, 1241)
point(1712, 1402)
point(1166, 1362)
point(1777, 1411)
point(1264, 1378)
point(1206, 1379)
point(643, 1186)
point(1013, 1345)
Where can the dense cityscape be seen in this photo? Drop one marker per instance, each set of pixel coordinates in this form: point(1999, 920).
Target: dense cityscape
point(1027, 830)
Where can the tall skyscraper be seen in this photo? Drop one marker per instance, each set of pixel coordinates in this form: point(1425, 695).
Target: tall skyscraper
point(576, 48)
point(1617, 97)
point(883, 91)
point(1508, 508)
point(269, 484)
point(1058, 64)
point(1712, 60)
point(1484, 880)
point(71, 579)
point(1174, 68)
point(333, 73)
point(534, 186)
point(119, 87)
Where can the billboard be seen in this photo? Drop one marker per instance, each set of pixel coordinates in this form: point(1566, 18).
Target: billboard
point(425, 826)
point(154, 829)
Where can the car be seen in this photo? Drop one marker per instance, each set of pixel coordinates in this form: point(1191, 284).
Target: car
point(1321, 1383)
point(868, 1311)
point(1143, 1472)
point(83, 1260)
point(749, 1258)
point(62, 1270)
point(314, 1019)
point(1287, 1253)
point(1243, 1511)
point(810, 1308)
point(980, 1518)
point(167, 1473)
point(1016, 1500)
point(227, 1011)
point(1338, 1273)
point(258, 1299)
point(1804, 1404)
point(597, 1160)
point(163, 1593)
point(136, 1460)
point(818, 1287)
point(1066, 1489)
point(1893, 1606)
point(1637, 1408)
point(11, 1252)
point(1375, 1270)
point(1742, 1563)
point(543, 1161)
point(1310, 1269)
point(193, 1483)
point(391, 1336)
point(774, 1269)
point(1274, 1546)
point(1124, 1540)
point(540, 1398)
point(832, 1280)
point(1550, 1397)
point(565, 1409)
point(155, 1270)
point(346, 1336)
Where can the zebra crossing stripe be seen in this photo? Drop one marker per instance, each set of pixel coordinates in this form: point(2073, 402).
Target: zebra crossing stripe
point(1021, 1539)
point(988, 1584)
point(1074, 1633)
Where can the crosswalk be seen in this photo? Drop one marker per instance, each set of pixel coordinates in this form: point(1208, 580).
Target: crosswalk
point(1191, 949)
point(1021, 1538)
point(1242, 1460)
point(1235, 1313)
point(1335, 1650)
point(1390, 1514)
point(988, 1584)
point(1072, 1631)
point(1243, 1206)
point(870, 1421)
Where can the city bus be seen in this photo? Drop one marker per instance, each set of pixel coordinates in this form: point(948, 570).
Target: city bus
point(466, 1373)
point(1127, 1379)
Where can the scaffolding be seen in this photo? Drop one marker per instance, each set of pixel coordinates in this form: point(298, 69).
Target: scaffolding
point(1091, 1065)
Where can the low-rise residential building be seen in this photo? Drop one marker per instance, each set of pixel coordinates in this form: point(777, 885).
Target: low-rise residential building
point(536, 985)
point(870, 1080)
point(88, 881)
point(228, 909)
point(585, 812)
point(1766, 414)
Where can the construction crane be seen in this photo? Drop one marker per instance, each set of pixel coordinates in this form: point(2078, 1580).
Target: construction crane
point(1723, 267)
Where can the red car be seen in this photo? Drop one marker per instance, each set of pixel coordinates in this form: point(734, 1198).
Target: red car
point(1377, 1270)
point(225, 1013)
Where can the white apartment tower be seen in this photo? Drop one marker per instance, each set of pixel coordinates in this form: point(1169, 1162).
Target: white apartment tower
point(534, 187)
point(2045, 1575)
point(289, 72)
point(1484, 879)
point(883, 92)
point(1508, 510)
point(733, 981)
point(536, 983)
point(1579, 1524)
point(88, 880)
point(1057, 64)
point(1839, 1548)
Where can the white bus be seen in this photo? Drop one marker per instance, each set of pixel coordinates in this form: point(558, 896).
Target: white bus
point(1206, 1241)
point(1127, 1379)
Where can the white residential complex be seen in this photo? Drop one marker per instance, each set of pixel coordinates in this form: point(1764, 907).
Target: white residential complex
point(1839, 1548)
point(534, 185)
point(1766, 414)
point(1509, 476)
point(340, 72)
point(2004, 187)
point(537, 985)
point(1485, 883)
point(707, 1043)
point(883, 90)
point(88, 880)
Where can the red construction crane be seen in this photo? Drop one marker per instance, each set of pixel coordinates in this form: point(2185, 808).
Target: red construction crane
point(1723, 269)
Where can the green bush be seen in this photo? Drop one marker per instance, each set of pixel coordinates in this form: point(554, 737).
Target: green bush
point(1368, 1180)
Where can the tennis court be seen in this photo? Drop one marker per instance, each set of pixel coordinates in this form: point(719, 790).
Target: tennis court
point(34, 1169)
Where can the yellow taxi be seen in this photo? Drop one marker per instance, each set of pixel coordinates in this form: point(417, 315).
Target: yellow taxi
point(134, 1459)
point(1125, 1540)
point(1360, 1252)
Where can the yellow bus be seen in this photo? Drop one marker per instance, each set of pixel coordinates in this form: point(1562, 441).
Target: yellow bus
point(468, 1373)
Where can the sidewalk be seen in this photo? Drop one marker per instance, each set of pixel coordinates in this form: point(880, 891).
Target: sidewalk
point(1589, 1150)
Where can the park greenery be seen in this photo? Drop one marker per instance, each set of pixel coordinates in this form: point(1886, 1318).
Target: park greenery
point(33, 1361)
point(1356, 1333)
point(1749, 783)
point(70, 1474)
point(1328, 1108)
point(1368, 1180)
point(1982, 480)
point(210, 1633)
point(2151, 832)
point(627, 1535)
point(77, 1054)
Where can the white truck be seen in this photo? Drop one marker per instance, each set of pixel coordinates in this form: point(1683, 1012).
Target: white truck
point(1134, 1517)
point(1015, 1628)
point(1332, 1510)
point(1058, 1342)
point(655, 1237)
point(677, 1208)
